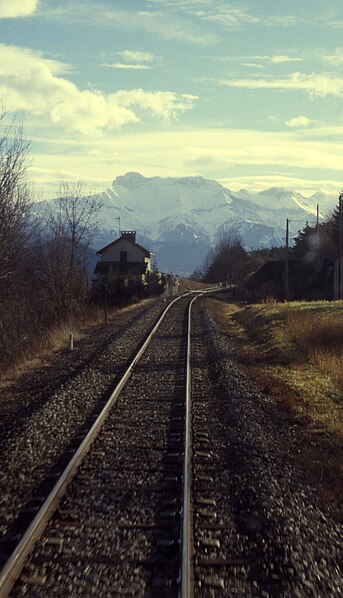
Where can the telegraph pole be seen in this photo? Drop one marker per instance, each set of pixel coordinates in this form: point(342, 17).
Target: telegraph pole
point(118, 218)
point(287, 260)
point(318, 240)
point(340, 246)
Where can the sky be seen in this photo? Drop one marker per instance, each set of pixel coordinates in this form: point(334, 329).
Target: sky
point(247, 93)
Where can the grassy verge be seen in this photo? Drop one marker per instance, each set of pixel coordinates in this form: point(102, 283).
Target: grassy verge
point(57, 338)
point(294, 353)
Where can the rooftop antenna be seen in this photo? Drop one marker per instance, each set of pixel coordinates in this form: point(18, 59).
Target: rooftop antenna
point(118, 218)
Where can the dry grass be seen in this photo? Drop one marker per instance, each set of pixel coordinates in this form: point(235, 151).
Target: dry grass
point(293, 352)
point(57, 338)
point(320, 335)
point(191, 285)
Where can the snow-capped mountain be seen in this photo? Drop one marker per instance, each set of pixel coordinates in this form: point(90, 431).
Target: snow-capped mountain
point(180, 218)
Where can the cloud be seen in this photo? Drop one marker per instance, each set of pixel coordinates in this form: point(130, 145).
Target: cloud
point(258, 183)
point(299, 121)
point(136, 56)
point(210, 152)
point(335, 59)
point(157, 22)
point(253, 65)
point(231, 17)
point(10, 9)
point(336, 24)
point(257, 59)
point(282, 58)
point(163, 104)
point(283, 21)
point(132, 60)
point(315, 85)
point(124, 65)
point(34, 84)
point(16, 61)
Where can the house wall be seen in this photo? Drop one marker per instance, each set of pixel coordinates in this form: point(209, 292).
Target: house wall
point(134, 253)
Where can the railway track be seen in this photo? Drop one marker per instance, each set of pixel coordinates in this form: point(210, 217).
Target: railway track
point(119, 520)
point(148, 514)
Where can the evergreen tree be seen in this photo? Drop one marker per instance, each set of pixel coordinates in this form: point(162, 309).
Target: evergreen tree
point(334, 229)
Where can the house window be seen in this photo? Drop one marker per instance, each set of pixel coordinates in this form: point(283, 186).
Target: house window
point(123, 257)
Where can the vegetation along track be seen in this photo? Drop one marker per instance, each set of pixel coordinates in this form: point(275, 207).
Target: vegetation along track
point(118, 526)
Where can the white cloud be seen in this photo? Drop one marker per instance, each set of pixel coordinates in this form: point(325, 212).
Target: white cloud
point(316, 85)
point(217, 11)
point(163, 104)
point(282, 58)
point(132, 60)
point(15, 62)
point(136, 56)
point(304, 186)
point(299, 121)
point(253, 65)
point(158, 22)
point(335, 59)
point(336, 24)
point(257, 60)
point(124, 65)
point(33, 84)
point(10, 9)
point(232, 17)
point(213, 153)
point(283, 21)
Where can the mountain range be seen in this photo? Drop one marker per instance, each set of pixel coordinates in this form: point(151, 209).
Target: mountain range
point(179, 219)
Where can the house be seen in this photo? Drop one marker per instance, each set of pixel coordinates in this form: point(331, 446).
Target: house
point(125, 258)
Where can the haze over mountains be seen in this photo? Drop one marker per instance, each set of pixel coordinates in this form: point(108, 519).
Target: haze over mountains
point(180, 218)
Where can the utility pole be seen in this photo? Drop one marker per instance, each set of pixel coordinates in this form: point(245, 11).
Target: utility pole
point(105, 302)
point(318, 240)
point(118, 218)
point(340, 246)
point(286, 261)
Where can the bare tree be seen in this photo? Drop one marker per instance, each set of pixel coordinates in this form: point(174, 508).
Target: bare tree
point(78, 216)
point(227, 260)
point(15, 201)
point(73, 222)
point(17, 230)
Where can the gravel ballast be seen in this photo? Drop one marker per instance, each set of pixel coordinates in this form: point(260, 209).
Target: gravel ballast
point(289, 544)
point(259, 528)
point(48, 416)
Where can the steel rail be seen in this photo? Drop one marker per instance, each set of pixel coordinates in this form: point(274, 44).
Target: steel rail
point(12, 568)
point(186, 572)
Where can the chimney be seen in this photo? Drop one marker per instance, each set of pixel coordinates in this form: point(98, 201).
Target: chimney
point(129, 234)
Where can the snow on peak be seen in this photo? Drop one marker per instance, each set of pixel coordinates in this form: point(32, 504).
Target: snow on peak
point(129, 180)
